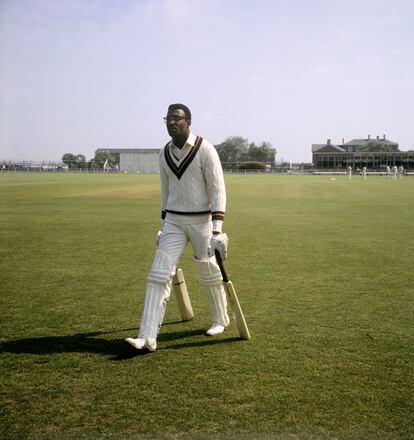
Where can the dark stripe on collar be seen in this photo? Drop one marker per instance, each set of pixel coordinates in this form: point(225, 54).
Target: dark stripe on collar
point(179, 170)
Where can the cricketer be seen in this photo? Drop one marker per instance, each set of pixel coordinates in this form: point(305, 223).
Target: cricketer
point(193, 199)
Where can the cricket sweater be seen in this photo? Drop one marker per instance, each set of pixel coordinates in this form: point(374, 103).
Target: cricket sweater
point(192, 183)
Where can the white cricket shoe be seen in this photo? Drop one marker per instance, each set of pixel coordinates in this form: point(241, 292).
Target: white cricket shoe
point(151, 344)
point(141, 343)
point(137, 343)
point(215, 329)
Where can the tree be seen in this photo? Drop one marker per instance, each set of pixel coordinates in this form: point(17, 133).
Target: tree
point(81, 161)
point(74, 160)
point(68, 159)
point(232, 149)
point(100, 159)
point(262, 153)
point(267, 152)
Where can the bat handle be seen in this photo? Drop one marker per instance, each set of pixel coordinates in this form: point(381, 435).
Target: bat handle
point(221, 266)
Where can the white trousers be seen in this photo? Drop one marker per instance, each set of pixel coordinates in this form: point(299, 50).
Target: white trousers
point(173, 240)
point(175, 237)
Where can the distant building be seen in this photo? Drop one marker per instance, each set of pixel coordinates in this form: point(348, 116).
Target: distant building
point(146, 160)
point(132, 160)
point(373, 153)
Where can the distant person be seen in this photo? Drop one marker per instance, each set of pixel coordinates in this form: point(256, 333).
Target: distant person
point(193, 199)
point(349, 172)
point(388, 172)
point(364, 172)
point(394, 170)
point(400, 171)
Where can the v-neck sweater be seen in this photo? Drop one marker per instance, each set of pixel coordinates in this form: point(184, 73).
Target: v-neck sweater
point(192, 183)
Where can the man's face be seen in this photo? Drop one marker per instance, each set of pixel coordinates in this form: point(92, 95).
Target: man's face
point(177, 124)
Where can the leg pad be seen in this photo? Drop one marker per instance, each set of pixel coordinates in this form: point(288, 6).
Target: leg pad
point(209, 275)
point(162, 268)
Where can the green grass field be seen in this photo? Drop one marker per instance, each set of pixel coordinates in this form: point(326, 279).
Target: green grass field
point(324, 272)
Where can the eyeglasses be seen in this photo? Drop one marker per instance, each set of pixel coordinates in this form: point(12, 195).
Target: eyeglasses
point(173, 118)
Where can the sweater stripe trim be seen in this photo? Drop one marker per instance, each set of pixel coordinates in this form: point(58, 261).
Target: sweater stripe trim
point(180, 169)
point(217, 215)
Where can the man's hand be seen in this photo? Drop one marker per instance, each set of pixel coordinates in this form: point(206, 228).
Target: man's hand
point(218, 242)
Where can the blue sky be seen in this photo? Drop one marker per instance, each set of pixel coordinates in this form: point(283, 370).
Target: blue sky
point(76, 75)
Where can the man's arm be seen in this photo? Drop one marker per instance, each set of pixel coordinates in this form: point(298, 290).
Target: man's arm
point(213, 173)
point(164, 186)
point(217, 195)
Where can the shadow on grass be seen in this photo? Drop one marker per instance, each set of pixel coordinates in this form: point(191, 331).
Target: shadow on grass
point(209, 341)
point(93, 343)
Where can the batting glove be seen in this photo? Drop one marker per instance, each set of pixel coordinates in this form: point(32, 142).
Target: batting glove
point(220, 243)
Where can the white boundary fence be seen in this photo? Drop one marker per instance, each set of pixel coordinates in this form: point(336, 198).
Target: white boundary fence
point(48, 167)
point(52, 167)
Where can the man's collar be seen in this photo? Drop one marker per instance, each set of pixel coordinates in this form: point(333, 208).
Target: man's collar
point(190, 141)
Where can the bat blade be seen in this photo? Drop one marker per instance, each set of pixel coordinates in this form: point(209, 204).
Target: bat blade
point(183, 299)
point(237, 310)
point(233, 300)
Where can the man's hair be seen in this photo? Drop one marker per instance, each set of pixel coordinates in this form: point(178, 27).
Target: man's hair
point(181, 107)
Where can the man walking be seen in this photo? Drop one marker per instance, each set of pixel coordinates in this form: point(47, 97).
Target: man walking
point(394, 170)
point(193, 199)
point(364, 173)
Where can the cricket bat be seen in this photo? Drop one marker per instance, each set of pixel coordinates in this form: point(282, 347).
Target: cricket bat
point(181, 293)
point(233, 300)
